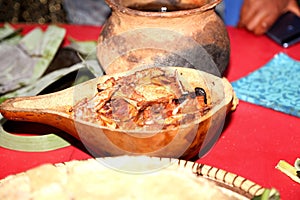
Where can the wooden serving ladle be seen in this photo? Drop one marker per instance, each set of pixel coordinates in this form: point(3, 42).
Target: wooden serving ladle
point(185, 141)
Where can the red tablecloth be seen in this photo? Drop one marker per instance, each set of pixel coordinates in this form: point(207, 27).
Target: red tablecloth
point(253, 141)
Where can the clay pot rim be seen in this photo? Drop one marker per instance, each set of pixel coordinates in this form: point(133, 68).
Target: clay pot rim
point(117, 7)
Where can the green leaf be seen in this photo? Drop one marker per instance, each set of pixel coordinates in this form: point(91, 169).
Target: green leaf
point(268, 194)
point(9, 35)
point(32, 55)
point(31, 143)
point(7, 31)
point(24, 63)
point(38, 143)
point(36, 87)
point(52, 39)
point(94, 67)
point(31, 42)
point(87, 48)
point(35, 143)
point(2, 99)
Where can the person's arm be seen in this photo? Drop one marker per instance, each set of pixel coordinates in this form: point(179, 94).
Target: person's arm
point(258, 16)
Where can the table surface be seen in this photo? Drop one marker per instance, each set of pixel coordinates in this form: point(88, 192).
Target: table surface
point(254, 138)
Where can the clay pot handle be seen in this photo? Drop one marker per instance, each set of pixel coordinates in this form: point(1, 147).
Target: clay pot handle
point(211, 5)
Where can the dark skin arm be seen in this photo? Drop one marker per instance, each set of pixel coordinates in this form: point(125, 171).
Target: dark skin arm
point(258, 16)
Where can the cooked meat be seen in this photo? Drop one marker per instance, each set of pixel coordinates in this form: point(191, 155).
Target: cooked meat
point(148, 99)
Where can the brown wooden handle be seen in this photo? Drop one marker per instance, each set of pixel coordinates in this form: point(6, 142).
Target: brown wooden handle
point(44, 109)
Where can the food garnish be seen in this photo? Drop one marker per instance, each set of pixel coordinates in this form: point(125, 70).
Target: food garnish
point(289, 170)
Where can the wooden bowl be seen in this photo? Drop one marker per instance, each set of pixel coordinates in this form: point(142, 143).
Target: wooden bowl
point(184, 141)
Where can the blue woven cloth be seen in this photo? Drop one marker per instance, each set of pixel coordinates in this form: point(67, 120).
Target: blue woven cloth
point(275, 85)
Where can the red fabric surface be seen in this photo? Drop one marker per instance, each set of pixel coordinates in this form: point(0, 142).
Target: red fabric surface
point(256, 138)
point(253, 140)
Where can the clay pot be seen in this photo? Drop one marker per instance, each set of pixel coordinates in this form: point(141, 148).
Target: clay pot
point(144, 33)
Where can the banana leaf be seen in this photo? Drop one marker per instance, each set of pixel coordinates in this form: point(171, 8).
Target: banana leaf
point(23, 63)
point(9, 35)
point(33, 64)
point(49, 141)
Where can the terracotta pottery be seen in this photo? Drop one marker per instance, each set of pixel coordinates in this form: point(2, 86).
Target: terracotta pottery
point(149, 33)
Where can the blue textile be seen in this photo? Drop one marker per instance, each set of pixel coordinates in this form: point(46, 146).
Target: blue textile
point(232, 11)
point(275, 85)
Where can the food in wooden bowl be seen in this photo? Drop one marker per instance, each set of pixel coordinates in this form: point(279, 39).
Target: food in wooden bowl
point(166, 112)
